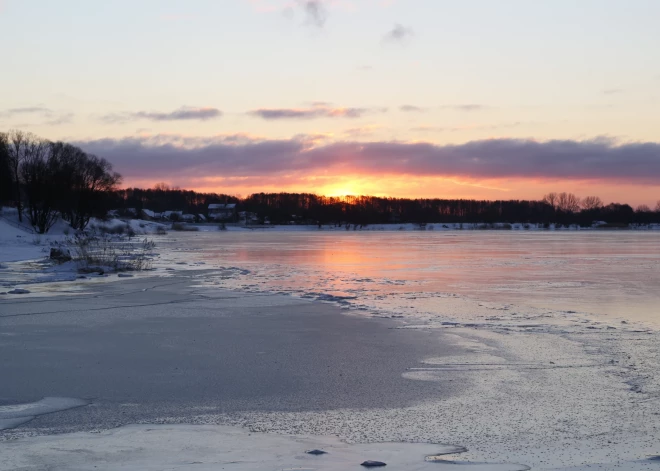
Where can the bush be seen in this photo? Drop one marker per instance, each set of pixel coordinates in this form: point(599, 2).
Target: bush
point(103, 252)
point(160, 230)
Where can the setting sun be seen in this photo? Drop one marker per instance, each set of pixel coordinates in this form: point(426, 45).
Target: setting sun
point(340, 191)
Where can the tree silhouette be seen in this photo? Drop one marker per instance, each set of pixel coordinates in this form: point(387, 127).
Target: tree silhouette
point(591, 202)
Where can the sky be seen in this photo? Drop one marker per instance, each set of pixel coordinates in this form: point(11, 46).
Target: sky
point(506, 99)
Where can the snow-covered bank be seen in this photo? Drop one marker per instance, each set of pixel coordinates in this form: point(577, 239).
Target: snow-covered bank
point(25, 264)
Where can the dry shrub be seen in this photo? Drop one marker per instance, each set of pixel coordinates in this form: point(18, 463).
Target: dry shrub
point(105, 252)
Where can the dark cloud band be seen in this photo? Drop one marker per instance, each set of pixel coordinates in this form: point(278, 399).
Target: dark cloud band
point(599, 159)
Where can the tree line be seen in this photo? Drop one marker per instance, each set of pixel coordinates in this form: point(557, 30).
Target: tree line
point(307, 208)
point(162, 198)
point(557, 208)
point(46, 180)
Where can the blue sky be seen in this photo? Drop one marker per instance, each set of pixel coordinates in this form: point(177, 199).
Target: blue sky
point(165, 72)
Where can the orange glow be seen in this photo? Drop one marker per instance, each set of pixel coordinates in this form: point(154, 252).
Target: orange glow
point(408, 186)
point(344, 190)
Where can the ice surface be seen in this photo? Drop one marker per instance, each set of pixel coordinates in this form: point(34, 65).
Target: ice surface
point(17, 414)
point(153, 447)
point(560, 336)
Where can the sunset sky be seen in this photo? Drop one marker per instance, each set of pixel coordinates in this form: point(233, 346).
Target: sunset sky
point(474, 98)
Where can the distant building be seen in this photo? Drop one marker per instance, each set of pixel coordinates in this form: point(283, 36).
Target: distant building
point(172, 215)
point(247, 217)
point(222, 212)
point(150, 215)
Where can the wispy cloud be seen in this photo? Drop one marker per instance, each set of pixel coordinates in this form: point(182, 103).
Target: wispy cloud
point(411, 109)
point(612, 91)
point(315, 12)
point(186, 113)
point(459, 107)
point(318, 110)
point(593, 160)
point(47, 116)
point(27, 110)
point(466, 107)
point(398, 34)
point(361, 131)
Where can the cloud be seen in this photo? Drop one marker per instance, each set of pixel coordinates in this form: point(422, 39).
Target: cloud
point(411, 109)
point(361, 131)
point(161, 157)
point(466, 107)
point(612, 91)
point(49, 117)
point(398, 34)
point(26, 110)
point(315, 12)
point(317, 110)
point(185, 113)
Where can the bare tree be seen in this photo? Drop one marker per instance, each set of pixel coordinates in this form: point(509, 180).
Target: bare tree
point(591, 202)
point(643, 208)
point(551, 199)
point(94, 179)
point(657, 207)
point(68, 162)
point(17, 142)
point(36, 172)
point(6, 175)
point(161, 186)
point(568, 202)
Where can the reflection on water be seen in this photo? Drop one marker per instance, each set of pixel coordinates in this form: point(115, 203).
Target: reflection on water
point(609, 273)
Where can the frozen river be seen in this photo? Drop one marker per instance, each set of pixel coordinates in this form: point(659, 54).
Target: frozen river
point(539, 348)
point(611, 275)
